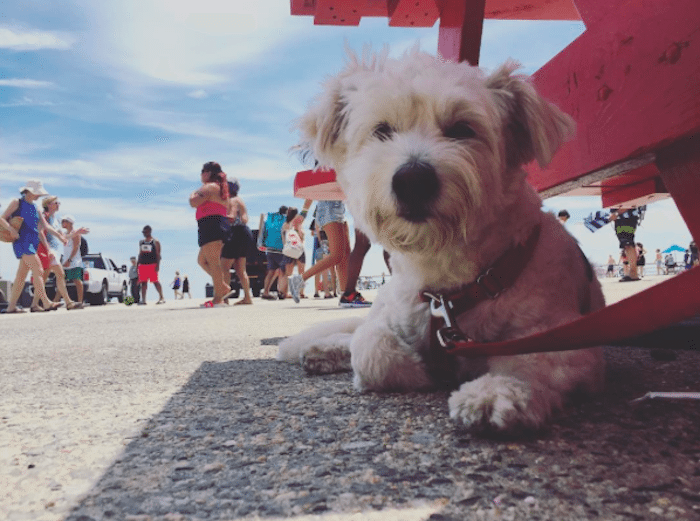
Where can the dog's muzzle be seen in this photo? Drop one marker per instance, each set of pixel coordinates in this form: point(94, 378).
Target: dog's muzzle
point(415, 185)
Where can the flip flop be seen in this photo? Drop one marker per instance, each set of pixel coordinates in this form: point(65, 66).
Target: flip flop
point(229, 294)
point(14, 311)
point(39, 310)
point(210, 304)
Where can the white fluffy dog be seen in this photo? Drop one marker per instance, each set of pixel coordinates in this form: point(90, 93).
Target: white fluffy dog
point(430, 155)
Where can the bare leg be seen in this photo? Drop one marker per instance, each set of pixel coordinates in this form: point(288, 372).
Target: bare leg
point(35, 299)
point(245, 282)
point(209, 257)
point(79, 289)
point(355, 260)
point(339, 246)
point(302, 270)
point(631, 253)
point(30, 262)
point(18, 285)
point(61, 283)
point(159, 288)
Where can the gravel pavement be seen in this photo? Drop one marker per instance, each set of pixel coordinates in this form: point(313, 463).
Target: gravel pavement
point(178, 413)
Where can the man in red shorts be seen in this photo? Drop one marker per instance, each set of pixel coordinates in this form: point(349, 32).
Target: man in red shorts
point(149, 265)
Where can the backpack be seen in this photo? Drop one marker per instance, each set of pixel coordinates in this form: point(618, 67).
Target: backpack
point(83, 246)
point(293, 246)
point(272, 233)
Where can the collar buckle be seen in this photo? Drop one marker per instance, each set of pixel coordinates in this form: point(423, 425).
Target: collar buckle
point(441, 307)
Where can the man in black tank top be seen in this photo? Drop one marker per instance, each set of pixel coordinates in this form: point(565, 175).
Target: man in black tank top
point(149, 264)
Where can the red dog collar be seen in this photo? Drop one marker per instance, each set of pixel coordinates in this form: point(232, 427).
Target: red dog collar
point(445, 308)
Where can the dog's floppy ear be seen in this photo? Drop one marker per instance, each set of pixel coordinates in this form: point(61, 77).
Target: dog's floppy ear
point(322, 125)
point(534, 127)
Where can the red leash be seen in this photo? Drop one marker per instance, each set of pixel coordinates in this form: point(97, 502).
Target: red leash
point(659, 306)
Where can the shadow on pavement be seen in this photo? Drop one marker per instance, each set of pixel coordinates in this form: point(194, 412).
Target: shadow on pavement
point(259, 438)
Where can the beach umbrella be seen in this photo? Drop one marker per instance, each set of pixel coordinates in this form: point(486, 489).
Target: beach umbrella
point(673, 248)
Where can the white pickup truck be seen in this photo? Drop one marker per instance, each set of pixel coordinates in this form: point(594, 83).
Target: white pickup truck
point(102, 280)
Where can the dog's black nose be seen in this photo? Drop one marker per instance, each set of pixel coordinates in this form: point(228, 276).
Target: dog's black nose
point(415, 184)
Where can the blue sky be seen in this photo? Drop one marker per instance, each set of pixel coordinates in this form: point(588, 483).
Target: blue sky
point(116, 105)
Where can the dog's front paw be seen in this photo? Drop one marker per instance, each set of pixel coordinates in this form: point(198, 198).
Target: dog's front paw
point(326, 361)
point(497, 403)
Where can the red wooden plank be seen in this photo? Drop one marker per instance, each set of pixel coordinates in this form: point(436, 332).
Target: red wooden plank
point(317, 185)
point(680, 170)
point(662, 305)
point(631, 84)
point(461, 25)
point(336, 12)
point(646, 191)
point(412, 13)
point(496, 9)
point(302, 7)
point(592, 11)
point(533, 10)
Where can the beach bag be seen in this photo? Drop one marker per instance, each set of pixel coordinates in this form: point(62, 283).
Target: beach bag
point(293, 247)
point(270, 237)
point(16, 223)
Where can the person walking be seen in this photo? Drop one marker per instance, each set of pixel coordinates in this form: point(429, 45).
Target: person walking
point(134, 281)
point(330, 217)
point(72, 261)
point(238, 242)
point(611, 267)
point(176, 286)
point(659, 260)
point(276, 268)
point(26, 242)
point(211, 202)
point(148, 264)
point(293, 222)
point(694, 255)
point(186, 287)
point(49, 256)
point(625, 222)
point(641, 259)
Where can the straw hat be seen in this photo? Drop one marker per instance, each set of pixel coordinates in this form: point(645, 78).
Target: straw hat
point(35, 187)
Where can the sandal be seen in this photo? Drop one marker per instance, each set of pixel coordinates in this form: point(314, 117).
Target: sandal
point(16, 310)
point(74, 305)
point(38, 309)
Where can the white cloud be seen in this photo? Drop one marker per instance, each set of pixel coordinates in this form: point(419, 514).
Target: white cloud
point(198, 94)
point(21, 39)
point(182, 42)
point(26, 84)
point(26, 101)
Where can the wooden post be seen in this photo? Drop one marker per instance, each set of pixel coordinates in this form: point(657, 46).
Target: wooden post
point(461, 25)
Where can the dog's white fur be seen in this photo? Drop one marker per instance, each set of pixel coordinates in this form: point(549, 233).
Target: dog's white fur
point(483, 207)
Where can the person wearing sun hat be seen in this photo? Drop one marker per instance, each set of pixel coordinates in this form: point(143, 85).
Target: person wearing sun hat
point(26, 242)
point(49, 253)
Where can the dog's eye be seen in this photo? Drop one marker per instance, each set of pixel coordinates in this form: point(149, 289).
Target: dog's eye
point(460, 130)
point(383, 132)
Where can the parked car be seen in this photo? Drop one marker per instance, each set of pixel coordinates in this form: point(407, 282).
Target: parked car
point(102, 280)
